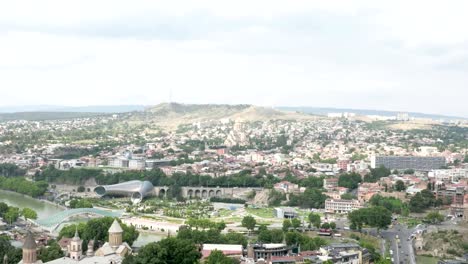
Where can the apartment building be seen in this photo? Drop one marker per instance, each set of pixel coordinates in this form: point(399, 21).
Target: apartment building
point(408, 162)
point(341, 206)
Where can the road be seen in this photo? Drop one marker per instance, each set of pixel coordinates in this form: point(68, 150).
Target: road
point(402, 248)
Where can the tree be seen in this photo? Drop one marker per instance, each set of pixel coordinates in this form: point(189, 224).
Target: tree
point(333, 225)
point(14, 254)
point(11, 214)
point(81, 189)
point(408, 171)
point(249, 222)
point(167, 251)
point(51, 252)
point(286, 225)
point(376, 174)
point(217, 257)
point(296, 223)
point(28, 213)
point(400, 186)
point(98, 229)
point(3, 208)
point(81, 203)
point(314, 219)
point(434, 217)
point(377, 216)
point(349, 180)
point(311, 198)
point(422, 201)
point(393, 204)
point(326, 225)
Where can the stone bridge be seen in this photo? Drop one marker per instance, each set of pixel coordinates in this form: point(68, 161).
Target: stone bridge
point(200, 192)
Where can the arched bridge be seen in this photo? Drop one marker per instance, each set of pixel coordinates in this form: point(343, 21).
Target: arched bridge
point(53, 221)
point(202, 192)
point(193, 192)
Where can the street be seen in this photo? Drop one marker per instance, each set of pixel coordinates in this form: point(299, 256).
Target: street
point(402, 248)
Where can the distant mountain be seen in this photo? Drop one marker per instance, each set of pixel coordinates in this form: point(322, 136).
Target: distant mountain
point(170, 115)
point(325, 111)
point(40, 116)
point(76, 109)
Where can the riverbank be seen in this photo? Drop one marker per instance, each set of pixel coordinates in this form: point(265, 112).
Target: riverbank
point(42, 207)
point(37, 199)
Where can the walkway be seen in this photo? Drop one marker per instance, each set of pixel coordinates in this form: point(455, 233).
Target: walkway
point(54, 221)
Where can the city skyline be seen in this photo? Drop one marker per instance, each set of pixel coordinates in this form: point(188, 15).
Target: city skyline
point(359, 55)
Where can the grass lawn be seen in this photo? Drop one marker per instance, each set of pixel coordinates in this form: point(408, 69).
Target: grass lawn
point(233, 220)
point(261, 212)
point(426, 260)
point(224, 212)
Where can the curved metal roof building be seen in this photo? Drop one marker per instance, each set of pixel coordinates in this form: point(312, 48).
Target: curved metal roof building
point(137, 190)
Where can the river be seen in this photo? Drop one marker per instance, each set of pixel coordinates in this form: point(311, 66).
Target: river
point(42, 208)
point(45, 209)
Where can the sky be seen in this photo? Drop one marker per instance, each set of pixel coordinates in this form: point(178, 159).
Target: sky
point(386, 55)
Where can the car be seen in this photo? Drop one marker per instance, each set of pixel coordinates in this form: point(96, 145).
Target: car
point(391, 252)
point(346, 228)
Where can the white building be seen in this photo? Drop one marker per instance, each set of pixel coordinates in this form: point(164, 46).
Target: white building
point(136, 164)
point(341, 206)
point(452, 175)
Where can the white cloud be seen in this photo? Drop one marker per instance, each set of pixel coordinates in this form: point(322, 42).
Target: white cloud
point(364, 54)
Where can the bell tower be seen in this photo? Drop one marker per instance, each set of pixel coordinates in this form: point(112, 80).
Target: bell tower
point(75, 247)
point(29, 250)
point(115, 235)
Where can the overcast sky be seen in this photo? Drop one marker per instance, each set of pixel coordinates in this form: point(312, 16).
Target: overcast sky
point(391, 55)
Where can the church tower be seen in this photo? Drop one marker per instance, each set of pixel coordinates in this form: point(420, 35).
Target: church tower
point(90, 251)
point(75, 247)
point(115, 235)
point(29, 250)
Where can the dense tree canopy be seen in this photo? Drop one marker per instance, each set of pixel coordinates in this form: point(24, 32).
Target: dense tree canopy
point(306, 242)
point(311, 198)
point(81, 203)
point(51, 252)
point(211, 236)
point(156, 177)
point(270, 235)
point(20, 185)
point(98, 229)
point(349, 180)
point(167, 251)
point(376, 174)
point(422, 201)
point(377, 216)
point(393, 204)
point(217, 257)
point(14, 254)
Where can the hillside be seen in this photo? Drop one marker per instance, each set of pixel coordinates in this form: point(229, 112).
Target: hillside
point(170, 115)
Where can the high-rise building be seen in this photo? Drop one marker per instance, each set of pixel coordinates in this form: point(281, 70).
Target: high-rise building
point(408, 162)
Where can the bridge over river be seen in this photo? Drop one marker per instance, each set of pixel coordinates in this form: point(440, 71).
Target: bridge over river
point(53, 221)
